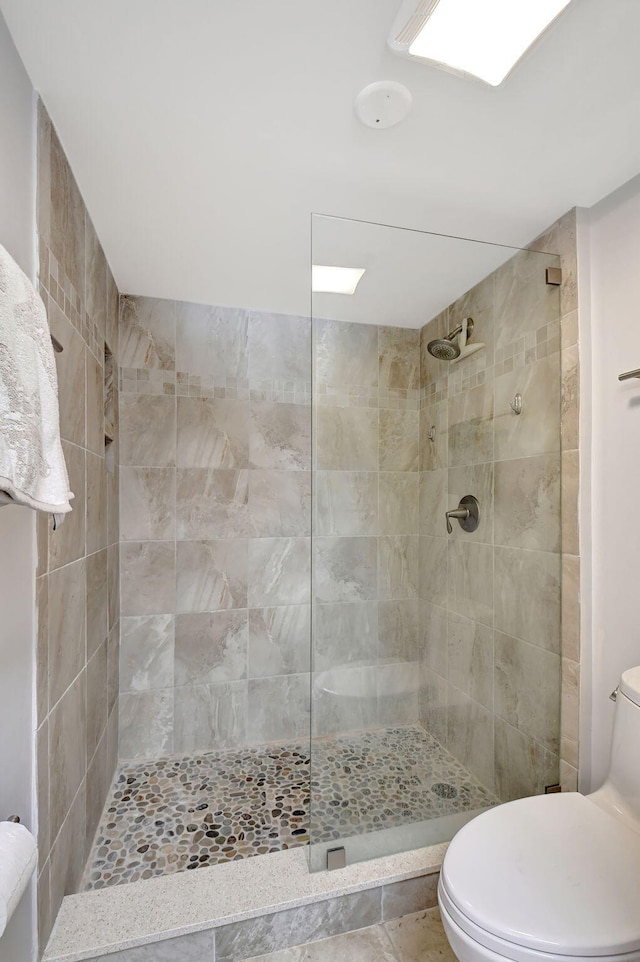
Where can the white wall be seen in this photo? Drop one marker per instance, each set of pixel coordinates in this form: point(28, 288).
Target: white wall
point(17, 525)
point(614, 269)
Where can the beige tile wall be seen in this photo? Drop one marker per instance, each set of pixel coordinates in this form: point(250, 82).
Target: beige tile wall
point(77, 585)
point(491, 599)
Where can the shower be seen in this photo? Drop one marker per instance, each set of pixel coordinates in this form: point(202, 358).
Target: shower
point(447, 348)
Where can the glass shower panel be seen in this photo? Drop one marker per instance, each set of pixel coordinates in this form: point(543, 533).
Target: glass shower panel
point(435, 683)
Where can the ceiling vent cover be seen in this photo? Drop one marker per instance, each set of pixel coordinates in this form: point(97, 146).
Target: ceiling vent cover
point(411, 19)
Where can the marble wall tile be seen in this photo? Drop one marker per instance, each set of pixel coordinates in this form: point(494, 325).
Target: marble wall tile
point(479, 304)
point(434, 626)
point(527, 596)
point(344, 700)
point(96, 698)
point(66, 217)
point(70, 367)
point(471, 580)
point(345, 634)
point(398, 502)
point(96, 500)
point(42, 649)
point(113, 316)
point(212, 433)
point(570, 397)
point(43, 172)
point(434, 454)
point(269, 933)
point(527, 689)
point(113, 584)
point(398, 694)
point(212, 341)
point(147, 504)
point(280, 436)
point(347, 439)
point(345, 569)
point(537, 429)
point(568, 777)
point(570, 491)
point(278, 708)
point(113, 670)
point(346, 503)
point(398, 629)
point(186, 948)
point(478, 480)
point(398, 358)
point(113, 506)
point(212, 503)
point(570, 711)
point(345, 354)
point(211, 575)
point(279, 347)
point(568, 261)
point(527, 502)
point(280, 503)
point(210, 716)
point(470, 659)
point(67, 750)
point(146, 723)
point(398, 566)
point(147, 336)
point(470, 735)
point(147, 430)
point(148, 577)
point(68, 853)
point(434, 701)
point(211, 647)
point(67, 543)
point(570, 607)
point(522, 766)
point(95, 405)
point(97, 788)
point(97, 601)
point(67, 592)
point(279, 572)
point(279, 640)
point(471, 426)
point(42, 790)
point(96, 278)
point(524, 301)
point(433, 570)
point(146, 652)
point(398, 440)
point(411, 895)
point(433, 501)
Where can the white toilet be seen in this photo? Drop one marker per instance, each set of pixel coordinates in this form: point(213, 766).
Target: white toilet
point(554, 878)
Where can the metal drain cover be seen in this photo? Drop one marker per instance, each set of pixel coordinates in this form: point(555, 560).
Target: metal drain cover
point(444, 790)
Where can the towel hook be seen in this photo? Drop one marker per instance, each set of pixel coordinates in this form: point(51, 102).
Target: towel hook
point(516, 404)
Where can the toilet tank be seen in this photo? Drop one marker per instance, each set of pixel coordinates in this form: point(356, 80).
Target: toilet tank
point(620, 793)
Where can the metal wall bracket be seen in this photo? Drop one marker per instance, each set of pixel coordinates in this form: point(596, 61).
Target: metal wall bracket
point(554, 276)
point(336, 858)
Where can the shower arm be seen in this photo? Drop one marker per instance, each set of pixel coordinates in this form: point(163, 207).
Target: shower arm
point(458, 330)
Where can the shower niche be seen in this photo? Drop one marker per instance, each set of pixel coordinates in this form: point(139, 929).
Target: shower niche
point(435, 682)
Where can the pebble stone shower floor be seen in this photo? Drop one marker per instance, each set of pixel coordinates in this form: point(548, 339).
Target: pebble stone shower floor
point(183, 812)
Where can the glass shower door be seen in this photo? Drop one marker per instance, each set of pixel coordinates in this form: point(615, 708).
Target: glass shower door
point(427, 661)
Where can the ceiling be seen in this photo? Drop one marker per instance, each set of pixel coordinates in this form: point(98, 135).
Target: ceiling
point(203, 133)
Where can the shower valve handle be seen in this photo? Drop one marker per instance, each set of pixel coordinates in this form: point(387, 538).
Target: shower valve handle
point(467, 513)
point(460, 513)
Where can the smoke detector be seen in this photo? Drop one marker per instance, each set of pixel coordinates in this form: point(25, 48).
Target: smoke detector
point(383, 104)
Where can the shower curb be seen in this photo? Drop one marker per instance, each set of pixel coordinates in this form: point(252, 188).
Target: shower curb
point(242, 909)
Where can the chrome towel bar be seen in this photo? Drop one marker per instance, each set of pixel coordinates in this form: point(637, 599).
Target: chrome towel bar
point(625, 377)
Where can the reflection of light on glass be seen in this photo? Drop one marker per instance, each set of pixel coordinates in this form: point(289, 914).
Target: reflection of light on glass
point(485, 38)
point(335, 280)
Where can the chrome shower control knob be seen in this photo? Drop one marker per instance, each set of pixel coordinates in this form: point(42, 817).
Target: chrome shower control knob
point(467, 514)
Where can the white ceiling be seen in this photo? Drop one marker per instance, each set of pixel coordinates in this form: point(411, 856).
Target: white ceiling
point(204, 132)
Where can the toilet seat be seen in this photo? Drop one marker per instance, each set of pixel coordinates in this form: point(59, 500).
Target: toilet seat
point(553, 877)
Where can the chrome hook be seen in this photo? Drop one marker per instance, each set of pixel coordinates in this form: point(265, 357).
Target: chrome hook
point(516, 404)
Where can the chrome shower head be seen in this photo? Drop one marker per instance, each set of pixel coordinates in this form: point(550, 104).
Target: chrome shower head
point(443, 349)
point(447, 348)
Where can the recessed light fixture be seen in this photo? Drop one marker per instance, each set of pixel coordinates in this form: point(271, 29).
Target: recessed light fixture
point(485, 38)
point(335, 280)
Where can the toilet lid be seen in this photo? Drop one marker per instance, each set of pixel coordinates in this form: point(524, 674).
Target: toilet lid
point(554, 873)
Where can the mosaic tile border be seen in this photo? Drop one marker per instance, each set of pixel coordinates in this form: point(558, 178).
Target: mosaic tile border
point(55, 283)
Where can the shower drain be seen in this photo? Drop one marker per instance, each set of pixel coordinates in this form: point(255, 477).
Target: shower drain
point(444, 790)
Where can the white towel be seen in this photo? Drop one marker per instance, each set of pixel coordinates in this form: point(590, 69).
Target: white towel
point(32, 467)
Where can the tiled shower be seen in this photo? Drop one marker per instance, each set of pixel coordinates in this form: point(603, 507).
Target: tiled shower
point(294, 649)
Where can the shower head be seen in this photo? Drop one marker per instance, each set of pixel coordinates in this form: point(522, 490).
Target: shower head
point(447, 348)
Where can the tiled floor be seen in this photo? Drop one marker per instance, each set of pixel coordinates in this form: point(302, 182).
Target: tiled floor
point(413, 938)
point(183, 812)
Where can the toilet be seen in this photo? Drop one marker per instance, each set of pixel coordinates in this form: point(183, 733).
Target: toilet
point(554, 878)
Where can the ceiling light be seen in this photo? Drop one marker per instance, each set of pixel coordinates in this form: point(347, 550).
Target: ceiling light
point(335, 280)
point(485, 38)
